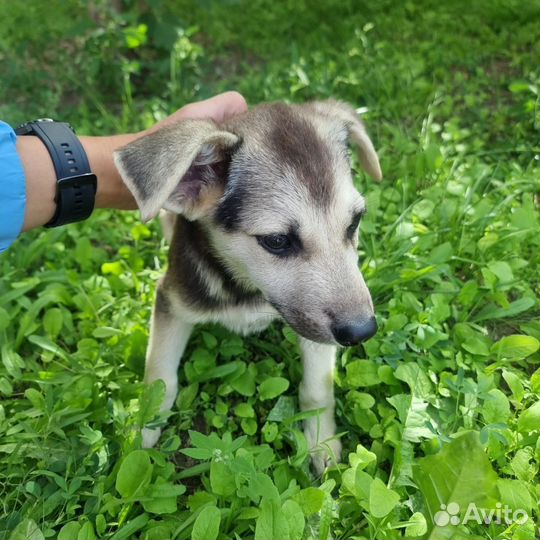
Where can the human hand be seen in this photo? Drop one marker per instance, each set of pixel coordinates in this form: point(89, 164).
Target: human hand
point(217, 108)
point(112, 192)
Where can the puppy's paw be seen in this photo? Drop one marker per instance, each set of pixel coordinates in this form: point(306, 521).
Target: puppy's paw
point(325, 454)
point(150, 437)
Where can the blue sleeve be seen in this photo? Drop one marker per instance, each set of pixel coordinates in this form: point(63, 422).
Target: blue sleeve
point(12, 188)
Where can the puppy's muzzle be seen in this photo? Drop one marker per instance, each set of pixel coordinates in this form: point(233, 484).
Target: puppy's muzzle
point(351, 333)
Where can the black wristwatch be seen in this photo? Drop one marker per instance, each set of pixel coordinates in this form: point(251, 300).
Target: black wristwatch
point(75, 185)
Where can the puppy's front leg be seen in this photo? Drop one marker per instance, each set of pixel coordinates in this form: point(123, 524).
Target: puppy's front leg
point(317, 392)
point(169, 335)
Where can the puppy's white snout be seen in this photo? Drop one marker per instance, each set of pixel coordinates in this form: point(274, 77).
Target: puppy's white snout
point(354, 332)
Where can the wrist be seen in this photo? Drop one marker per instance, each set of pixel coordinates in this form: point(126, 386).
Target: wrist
point(40, 178)
point(111, 190)
point(75, 184)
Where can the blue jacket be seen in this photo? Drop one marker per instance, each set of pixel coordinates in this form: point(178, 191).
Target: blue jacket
point(12, 188)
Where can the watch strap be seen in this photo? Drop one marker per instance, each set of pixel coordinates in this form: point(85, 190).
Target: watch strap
point(76, 185)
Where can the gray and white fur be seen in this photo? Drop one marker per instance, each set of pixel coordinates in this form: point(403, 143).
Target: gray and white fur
point(263, 223)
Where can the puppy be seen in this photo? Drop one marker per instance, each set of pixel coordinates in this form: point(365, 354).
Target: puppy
point(264, 225)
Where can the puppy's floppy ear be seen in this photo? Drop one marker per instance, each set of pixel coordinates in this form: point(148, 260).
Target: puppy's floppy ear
point(357, 133)
point(181, 167)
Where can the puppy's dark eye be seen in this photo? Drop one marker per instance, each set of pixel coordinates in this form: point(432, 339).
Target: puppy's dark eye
point(279, 244)
point(351, 229)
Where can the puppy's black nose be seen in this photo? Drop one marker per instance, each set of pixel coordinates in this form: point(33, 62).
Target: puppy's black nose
point(351, 333)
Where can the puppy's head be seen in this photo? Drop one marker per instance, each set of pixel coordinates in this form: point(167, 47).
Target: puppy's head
point(274, 189)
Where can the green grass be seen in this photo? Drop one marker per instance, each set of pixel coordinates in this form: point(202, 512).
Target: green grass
point(441, 406)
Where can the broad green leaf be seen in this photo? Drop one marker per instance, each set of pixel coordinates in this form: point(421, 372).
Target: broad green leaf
point(4, 319)
point(327, 514)
point(520, 86)
point(442, 253)
point(515, 347)
point(163, 488)
point(150, 401)
point(477, 345)
point(362, 457)
point(47, 345)
point(244, 410)
point(12, 361)
point(362, 373)
point(412, 412)
point(244, 384)
point(282, 410)
point(218, 372)
point(535, 381)
point(115, 268)
point(264, 459)
point(200, 440)
point(261, 485)
point(187, 396)
point(381, 499)
point(271, 523)
point(310, 500)
point(106, 332)
point(362, 486)
point(101, 525)
point(160, 498)
point(197, 453)
point(460, 473)
point(135, 36)
point(206, 526)
point(272, 387)
point(521, 464)
point(472, 340)
point(232, 346)
point(35, 397)
point(27, 529)
point(502, 270)
point(423, 208)
point(209, 340)
point(515, 308)
point(514, 383)
point(249, 426)
point(529, 419)
point(159, 532)
point(222, 480)
point(87, 532)
point(467, 293)
point(203, 359)
point(496, 407)
point(53, 321)
point(417, 525)
point(362, 399)
point(396, 322)
point(134, 474)
point(200, 499)
point(515, 494)
point(6, 387)
point(417, 380)
point(249, 513)
point(69, 531)
point(270, 432)
point(295, 519)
